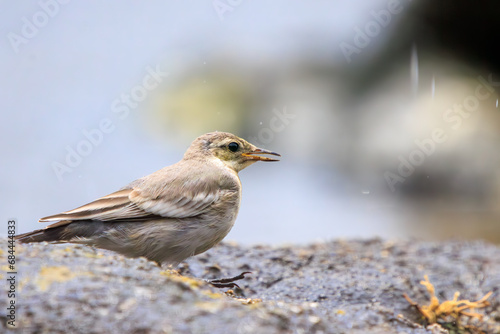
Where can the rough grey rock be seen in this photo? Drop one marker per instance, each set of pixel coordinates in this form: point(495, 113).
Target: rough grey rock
point(343, 286)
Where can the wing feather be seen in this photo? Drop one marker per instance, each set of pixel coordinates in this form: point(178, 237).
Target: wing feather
point(137, 203)
point(181, 205)
point(98, 209)
point(167, 193)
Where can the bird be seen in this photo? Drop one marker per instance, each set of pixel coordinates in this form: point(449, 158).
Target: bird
point(177, 212)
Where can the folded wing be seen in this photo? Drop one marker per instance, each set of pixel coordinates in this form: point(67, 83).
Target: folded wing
point(137, 204)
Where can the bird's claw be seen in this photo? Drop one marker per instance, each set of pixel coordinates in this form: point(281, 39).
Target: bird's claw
point(228, 282)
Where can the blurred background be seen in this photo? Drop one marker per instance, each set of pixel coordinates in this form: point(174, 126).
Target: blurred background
point(385, 112)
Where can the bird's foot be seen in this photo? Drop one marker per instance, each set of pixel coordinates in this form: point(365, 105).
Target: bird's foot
point(228, 282)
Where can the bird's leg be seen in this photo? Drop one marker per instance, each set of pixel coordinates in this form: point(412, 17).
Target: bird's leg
point(228, 282)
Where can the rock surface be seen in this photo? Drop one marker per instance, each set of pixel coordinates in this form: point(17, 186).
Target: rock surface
point(342, 286)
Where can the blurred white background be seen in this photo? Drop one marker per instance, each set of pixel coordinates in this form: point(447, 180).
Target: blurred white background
point(97, 94)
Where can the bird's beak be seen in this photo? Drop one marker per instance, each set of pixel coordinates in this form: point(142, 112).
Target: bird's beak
point(252, 155)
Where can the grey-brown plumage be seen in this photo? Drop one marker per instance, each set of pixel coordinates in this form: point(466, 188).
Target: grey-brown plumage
point(179, 211)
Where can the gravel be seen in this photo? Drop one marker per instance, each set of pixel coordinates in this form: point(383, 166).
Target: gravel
point(342, 286)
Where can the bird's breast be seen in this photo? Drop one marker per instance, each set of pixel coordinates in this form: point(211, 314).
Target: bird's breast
point(216, 223)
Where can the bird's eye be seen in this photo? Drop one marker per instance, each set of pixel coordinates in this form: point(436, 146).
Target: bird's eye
point(233, 147)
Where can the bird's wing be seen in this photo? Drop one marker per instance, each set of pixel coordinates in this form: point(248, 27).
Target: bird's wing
point(180, 199)
point(113, 206)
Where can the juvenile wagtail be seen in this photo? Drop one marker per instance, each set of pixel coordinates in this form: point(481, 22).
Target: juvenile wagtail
point(177, 212)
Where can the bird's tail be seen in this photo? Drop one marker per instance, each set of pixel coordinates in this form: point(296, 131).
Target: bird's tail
point(66, 231)
point(45, 234)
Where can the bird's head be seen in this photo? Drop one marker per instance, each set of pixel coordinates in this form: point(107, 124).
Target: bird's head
point(236, 153)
